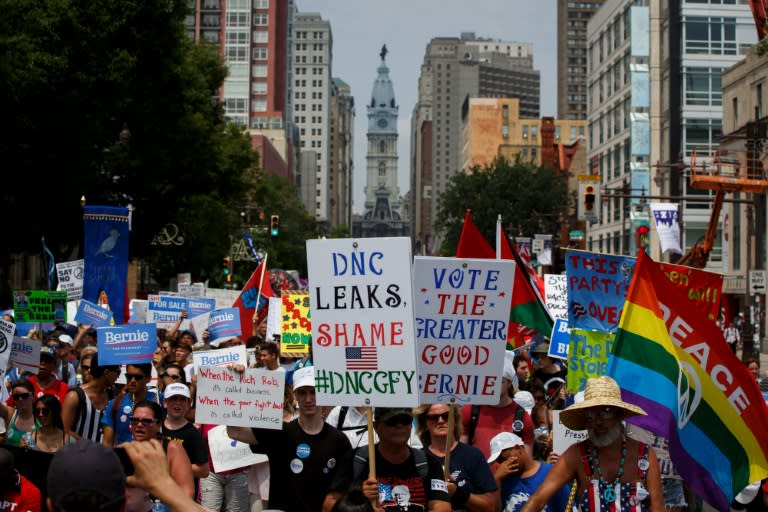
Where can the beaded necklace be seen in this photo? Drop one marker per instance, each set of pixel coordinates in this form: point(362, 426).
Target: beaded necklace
point(609, 492)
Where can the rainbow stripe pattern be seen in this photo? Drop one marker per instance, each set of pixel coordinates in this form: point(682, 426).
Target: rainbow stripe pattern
point(671, 361)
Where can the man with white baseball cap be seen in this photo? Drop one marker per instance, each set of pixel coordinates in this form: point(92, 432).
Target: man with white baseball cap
point(303, 456)
point(177, 401)
point(518, 475)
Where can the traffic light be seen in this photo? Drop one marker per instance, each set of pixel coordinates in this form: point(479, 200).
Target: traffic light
point(274, 225)
point(589, 198)
point(227, 268)
point(643, 231)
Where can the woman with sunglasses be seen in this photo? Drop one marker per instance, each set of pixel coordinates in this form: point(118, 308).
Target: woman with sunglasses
point(173, 374)
point(21, 420)
point(117, 415)
point(471, 485)
point(50, 437)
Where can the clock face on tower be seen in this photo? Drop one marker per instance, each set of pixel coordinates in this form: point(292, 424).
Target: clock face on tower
point(382, 122)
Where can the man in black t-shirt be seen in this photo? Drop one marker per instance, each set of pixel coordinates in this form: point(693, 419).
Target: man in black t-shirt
point(177, 428)
point(303, 456)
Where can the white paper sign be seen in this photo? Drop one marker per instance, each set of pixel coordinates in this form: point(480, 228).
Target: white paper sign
point(199, 324)
point(227, 454)
point(273, 317)
point(462, 319)
point(562, 436)
point(556, 295)
point(25, 354)
point(363, 343)
point(70, 275)
point(220, 357)
point(253, 399)
point(7, 329)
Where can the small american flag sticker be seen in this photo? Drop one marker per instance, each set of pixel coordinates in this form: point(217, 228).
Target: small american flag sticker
point(361, 358)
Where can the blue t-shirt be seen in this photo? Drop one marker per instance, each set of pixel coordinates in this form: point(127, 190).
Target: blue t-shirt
point(123, 416)
point(469, 470)
point(516, 491)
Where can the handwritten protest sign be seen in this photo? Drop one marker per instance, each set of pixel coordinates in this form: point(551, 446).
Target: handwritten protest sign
point(37, 306)
point(597, 286)
point(462, 316)
point(70, 275)
point(556, 294)
point(704, 289)
point(562, 436)
point(126, 344)
point(362, 322)
point(90, 313)
point(587, 356)
point(253, 399)
point(25, 354)
point(192, 290)
point(220, 357)
point(296, 327)
point(223, 324)
point(228, 454)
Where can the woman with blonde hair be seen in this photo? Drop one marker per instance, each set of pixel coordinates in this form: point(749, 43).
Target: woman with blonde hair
point(471, 485)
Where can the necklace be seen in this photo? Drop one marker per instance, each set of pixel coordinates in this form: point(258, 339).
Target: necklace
point(609, 492)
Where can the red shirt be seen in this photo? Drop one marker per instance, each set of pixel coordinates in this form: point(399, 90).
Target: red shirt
point(26, 499)
point(493, 420)
point(58, 389)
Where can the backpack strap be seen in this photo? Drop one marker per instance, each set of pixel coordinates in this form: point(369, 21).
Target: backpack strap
point(342, 416)
point(360, 463)
point(473, 423)
point(422, 466)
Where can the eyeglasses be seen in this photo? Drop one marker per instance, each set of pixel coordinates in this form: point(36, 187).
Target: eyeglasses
point(21, 396)
point(605, 413)
point(174, 376)
point(134, 376)
point(144, 421)
point(434, 417)
point(402, 419)
point(85, 367)
point(43, 411)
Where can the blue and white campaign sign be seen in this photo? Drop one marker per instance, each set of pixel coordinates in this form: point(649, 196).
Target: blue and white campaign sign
point(461, 308)
point(597, 287)
point(221, 357)
point(561, 337)
point(90, 313)
point(126, 344)
point(25, 354)
point(165, 310)
point(197, 306)
point(223, 324)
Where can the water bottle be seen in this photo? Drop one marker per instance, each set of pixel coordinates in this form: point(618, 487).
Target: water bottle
point(158, 506)
point(30, 439)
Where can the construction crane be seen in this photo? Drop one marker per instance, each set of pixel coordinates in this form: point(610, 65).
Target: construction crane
point(760, 14)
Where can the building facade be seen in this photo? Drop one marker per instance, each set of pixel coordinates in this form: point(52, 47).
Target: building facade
point(342, 167)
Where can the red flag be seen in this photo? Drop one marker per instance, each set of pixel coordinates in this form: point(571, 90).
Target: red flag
point(246, 302)
point(472, 243)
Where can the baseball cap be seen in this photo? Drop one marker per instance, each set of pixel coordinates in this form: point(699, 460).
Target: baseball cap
point(176, 389)
point(47, 352)
point(386, 413)
point(501, 442)
point(541, 348)
point(86, 466)
point(65, 338)
point(509, 372)
point(304, 377)
point(525, 400)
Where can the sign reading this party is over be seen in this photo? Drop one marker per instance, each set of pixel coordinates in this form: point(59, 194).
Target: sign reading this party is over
point(462, 316)
point(362, 321)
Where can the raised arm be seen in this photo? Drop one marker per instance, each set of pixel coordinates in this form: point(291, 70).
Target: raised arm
point(565, 470)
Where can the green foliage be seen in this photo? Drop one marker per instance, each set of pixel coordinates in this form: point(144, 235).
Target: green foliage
point(340, 231)
point(528, 198)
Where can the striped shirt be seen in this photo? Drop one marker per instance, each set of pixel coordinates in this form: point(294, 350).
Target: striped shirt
point(88, 421)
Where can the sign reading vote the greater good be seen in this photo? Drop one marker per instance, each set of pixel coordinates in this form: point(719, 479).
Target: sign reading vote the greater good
point(126, 344)
point(223, 324)
point(362, 322)
point(252, 399)
point(90, 313)
point(462, 318)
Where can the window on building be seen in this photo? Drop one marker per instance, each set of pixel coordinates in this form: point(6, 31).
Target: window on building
point(258, 70)
point(260, 19)
point(382, 169)
point(262, 36)
point(259, 105)
point(259, 53)
point(261, 4)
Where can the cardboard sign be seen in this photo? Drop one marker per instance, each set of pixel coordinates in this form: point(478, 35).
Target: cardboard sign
point(25, 354)
point(36, 306)
point(126, 344)
point(223, 324)
point(559, 340)
point(296, 327)
point(220, 357)
point(562, 436)
point(93, 314)
point(70, 275)
point(253, 399)
point(227, 454)
point(462, 318)
point(363, 343)
point(556, 294)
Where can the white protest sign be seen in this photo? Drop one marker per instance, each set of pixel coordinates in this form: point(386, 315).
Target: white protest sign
point(138, 311)
point(273, 317)
point(462, 318)
point(253, 399)
point(70, 275)
point(25, 354)
point(556, 295)
point(192, 290)
point(183, 278)
point(363, 345)
point(227, 454)
point(562, 436)
point(199, 324)
point(220, 357)
point(7, 329)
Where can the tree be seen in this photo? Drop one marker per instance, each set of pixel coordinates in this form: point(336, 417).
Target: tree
point(530, 200)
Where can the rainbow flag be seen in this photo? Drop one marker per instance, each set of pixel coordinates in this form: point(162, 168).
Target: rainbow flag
point(671, 361)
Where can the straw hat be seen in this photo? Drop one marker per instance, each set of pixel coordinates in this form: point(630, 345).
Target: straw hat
point(600, 392)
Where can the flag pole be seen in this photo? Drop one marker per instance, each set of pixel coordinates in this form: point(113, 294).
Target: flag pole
point(258, 293)
point(498, 237)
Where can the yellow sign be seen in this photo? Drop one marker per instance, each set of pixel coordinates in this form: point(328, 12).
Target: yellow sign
point(296, 327)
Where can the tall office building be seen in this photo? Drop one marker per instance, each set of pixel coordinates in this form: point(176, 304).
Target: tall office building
point(454, 70)
point(572, 18)
point(383, 214)
point(311, 89)
point(341, 146)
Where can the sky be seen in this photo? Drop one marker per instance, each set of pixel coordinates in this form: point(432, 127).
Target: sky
point(361, 27)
